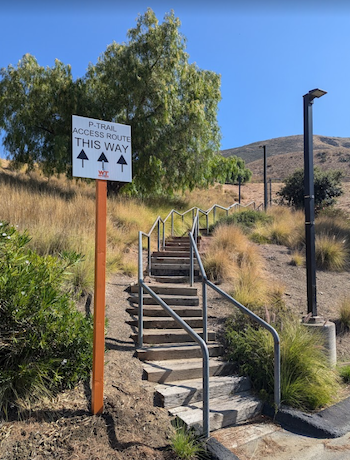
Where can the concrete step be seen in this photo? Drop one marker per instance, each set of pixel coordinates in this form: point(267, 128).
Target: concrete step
point(172, 260)
point(187, 392)
point(157, 310)
point(224, 411)
point(173, 279)
point(174, 245)
point(173, 370)
point(166, 323)
point(170, 253)
point(172, 265)
point(168, 299)
point(167, 290)
point(179, 238)
point(177, 351)
point(170, 336)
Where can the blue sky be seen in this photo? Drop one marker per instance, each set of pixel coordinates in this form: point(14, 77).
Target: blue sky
point(268, 52)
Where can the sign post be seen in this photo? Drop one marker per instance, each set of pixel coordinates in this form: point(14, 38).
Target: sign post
point(102, 151)
point(99, 297)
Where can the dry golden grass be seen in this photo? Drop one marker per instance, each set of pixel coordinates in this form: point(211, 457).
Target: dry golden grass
point(59, 215)
point(344, 313)
point(233, 257)
point(286, 227)
point(331, 252)
point(297, 259)
point(218, 194)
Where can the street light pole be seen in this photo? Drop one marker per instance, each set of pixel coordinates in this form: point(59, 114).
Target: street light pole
point(309, 202)
point(265, 177)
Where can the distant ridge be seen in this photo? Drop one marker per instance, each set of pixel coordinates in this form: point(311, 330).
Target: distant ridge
point(285, 154)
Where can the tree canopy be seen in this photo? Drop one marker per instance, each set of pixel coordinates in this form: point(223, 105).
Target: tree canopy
point(147, 83)
point(327, 187)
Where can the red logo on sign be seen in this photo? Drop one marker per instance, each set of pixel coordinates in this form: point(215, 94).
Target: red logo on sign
point(103, 174)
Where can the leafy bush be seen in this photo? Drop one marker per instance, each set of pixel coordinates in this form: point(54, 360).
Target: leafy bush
point(306, 380)
point(245, 219)
point(45, 343)
point(327, 185)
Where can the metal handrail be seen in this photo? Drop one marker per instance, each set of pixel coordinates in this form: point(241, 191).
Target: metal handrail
point(245, 310)
point(193, 235)
point(201, 342)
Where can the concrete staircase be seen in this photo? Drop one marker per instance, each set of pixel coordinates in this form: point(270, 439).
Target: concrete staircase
point(173, 360)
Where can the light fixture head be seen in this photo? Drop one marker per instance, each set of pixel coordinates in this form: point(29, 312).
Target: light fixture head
point(316, 93)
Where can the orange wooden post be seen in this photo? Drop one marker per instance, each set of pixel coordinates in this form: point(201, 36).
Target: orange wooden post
point(99, 297)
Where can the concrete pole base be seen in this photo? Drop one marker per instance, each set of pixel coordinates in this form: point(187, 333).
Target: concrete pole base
point(327, 331)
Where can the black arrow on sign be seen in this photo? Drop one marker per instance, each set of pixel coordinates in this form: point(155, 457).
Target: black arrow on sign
point(82, 156)
point(103, 158)
point(122, 161)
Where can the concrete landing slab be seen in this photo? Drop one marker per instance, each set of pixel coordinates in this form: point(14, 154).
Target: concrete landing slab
point(265, 440)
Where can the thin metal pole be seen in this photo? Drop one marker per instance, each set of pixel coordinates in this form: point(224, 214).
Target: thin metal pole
point(239, 189)
point(158, 237)
point(265, 178)
point(149, 255)
point(309, 201)
point(205, 312)
point(140, 310)
point(270, 191)
point(277, 370)
point(191, 264)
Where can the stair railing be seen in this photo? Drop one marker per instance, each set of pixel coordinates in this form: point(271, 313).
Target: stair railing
point(205, 282)
point(160, 224)
point(202, 343)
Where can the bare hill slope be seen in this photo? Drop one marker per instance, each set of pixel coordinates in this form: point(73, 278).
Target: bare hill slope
point(285, 154)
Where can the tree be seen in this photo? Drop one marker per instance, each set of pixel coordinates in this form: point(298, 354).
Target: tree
point(327, 186)
point(36, 105)
point(147, 83)
point(229, 170)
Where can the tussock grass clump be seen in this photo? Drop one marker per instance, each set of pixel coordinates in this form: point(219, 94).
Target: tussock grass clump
point(233, 257)
point(307, 382)
point(344, 314)
point(250, 288)
point(344, 373)
point(331, 253)
point(297, 259)
point(185, 444)
point(219, 265)
point(284, 227)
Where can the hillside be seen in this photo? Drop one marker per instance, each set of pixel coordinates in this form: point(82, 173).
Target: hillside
point(285, 154)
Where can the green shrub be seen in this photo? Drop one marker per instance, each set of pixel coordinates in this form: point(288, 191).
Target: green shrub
point(306, 380)
point(45, 343)
point(327, 187)
point(245, 219)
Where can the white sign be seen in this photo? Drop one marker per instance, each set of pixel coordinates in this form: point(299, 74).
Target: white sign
point(101, 149)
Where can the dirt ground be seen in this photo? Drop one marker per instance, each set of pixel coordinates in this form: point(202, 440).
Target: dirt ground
point(131, 427)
